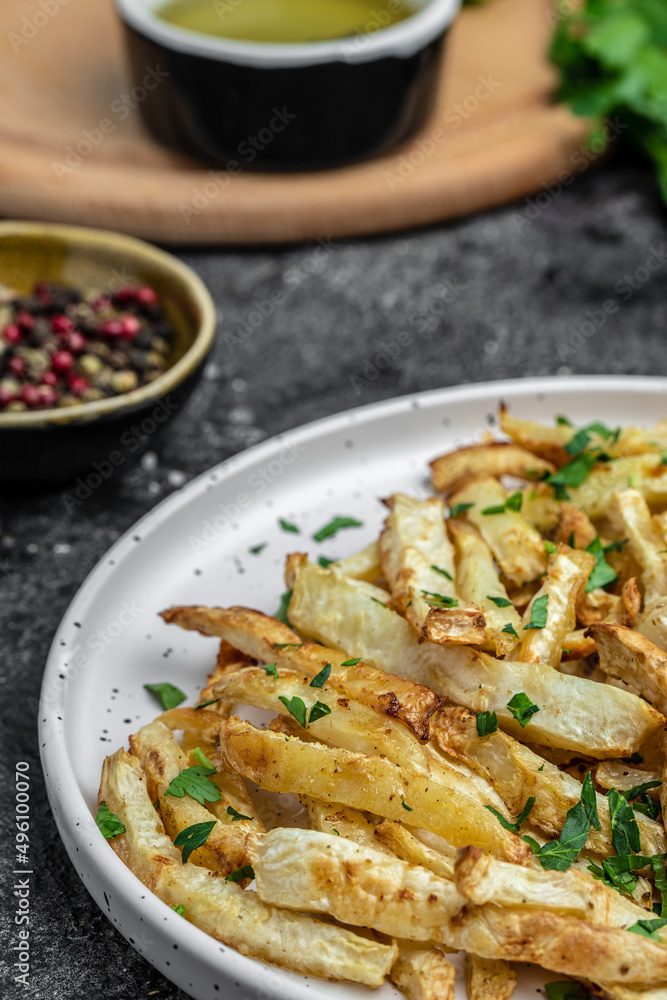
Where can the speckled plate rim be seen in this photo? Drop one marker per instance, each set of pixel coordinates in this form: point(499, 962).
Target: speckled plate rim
point(130, 906)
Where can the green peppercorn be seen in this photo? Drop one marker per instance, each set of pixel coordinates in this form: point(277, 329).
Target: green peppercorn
point(124, 381)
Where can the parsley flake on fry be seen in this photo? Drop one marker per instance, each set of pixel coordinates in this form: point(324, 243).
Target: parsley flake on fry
point(108, 823)
point(522, 708)
point(193, 837)
point(168, 695)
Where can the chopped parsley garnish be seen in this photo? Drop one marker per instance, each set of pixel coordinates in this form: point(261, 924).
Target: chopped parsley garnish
point(322, 677)
point(235, 814)
point(550, 547)
point(623, 882)
point(558, 855)
point(521, 818)
point(405, 805)
point(168, 695)
point(193, 837)
point(444, 572)
point(195, 782)
point(256, 549)
point(649, 928)
point(514, 502)
point(351, 663)
point(324, 562)
point(602, 574)
point(500, 602)
point(573, 474)
point(460, 508)
point(381, 603)
point(205, 704)
point(288, 645)
point(281, 613)
point(615, 546)
point(318, 711)
point(201, 758)
point(156, 805)
point(270, 669)
point(522, 708)
point(288, 526)
point(635, 758)
point(509, 628)
point(334, 526)
point(498, 508)
point(563, 421)
point(487, 723)
point(538, 613)
point(296, 707)
point(245, 871)
point(180, 909)
point(565, 989)
point(582, 438)
point(436, 600)
point(625, 836)
point(108, 823)
point(660, 876)
point(637, 790)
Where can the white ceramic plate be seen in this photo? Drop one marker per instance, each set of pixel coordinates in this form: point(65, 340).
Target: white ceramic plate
point(194, 549)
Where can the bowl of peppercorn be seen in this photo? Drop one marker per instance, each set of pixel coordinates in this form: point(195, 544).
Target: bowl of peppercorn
point(102, 340)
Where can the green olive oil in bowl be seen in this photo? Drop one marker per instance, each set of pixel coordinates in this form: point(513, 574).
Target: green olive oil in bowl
point(284, 21)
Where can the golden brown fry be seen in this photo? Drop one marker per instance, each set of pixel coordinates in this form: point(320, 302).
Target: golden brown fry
point(478, 583)
point(228, 661)
point(566, 578)
point(330, 609)
point(364, 565)
point(340, 821)
point(407, 846)
point(270, 641)
point(423, 973)
point(546, 442)
point(631, 516)
point(517, 773)
point(635, 659)
point(162, 759)
point(517, 546)
point(577, 645)
point(489, 978)
point(284, 764)
point(618, 774)
point(483, 879)
point(499, 458)
point(574, 527)
point(314, 872)
point(595, 493)
point(237, 918)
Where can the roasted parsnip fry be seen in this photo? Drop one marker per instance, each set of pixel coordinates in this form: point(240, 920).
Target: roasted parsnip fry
point(364, 565)
point(546, 442)
point(285, 764)
point(314, 872)
point(483, 879)
point(407, 846)
point(162, 760)
point(595, 493)
point(340, 821)
point(620, 775)
point(615, 991)
point(575, 714)
point(560, 943)
point(478, 583)
point(574, 527)
point(517, 773)
point(652, 623)
point(635, 659)
point(631, 516)
point(577, 645)
point(268, 640)
point(423, 973)
point(516, 544)
point(499, 458)
point(418, 563)
point(237, 918)
point(229, 660)
point(567, 575)
point(489, 978)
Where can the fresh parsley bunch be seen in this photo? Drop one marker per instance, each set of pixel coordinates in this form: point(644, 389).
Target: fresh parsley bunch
point(612, 55)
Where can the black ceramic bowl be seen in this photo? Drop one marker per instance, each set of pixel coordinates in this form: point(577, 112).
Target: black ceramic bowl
point(258, 106)
point(86, 445)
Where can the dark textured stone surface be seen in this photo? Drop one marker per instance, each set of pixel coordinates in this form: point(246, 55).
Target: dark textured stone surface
point(490, 297)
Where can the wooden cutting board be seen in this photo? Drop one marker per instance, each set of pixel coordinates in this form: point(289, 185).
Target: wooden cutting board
point(504, 141)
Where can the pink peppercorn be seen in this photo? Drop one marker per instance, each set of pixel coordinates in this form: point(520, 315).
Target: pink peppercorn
point(125, 294)
point(47, 395)
point(146, 296)
point(6, 396)
point(25, 320)
point(78, 385)
point(62, 361)
point(111, 328)
point(17, 367)
point(11, 333)
point(50, 378)
point(76, 342)
point(61, 324)
point(131, 326)
point(30, 395)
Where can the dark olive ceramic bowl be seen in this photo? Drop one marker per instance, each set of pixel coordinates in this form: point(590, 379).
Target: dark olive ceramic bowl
point(88, 444)
point(260, 106)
